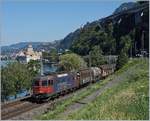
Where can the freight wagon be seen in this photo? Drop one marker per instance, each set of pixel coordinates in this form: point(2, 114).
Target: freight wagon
point(52, 85)
point(107, 69)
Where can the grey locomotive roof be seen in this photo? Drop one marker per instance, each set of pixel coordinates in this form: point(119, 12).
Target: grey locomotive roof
point(43, 77)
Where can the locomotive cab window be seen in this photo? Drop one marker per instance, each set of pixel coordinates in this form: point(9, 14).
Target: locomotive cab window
point(36, 83)
point(44, 83)
point(50, 82)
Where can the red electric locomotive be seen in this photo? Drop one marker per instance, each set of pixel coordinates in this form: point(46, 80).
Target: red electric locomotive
point(42, 86)
point(49, 86)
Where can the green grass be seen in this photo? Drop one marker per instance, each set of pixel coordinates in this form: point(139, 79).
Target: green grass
point(62, 105)
point(127, 101)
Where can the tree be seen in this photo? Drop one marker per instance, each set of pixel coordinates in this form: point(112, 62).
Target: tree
point(46, 55)
point(15, 77)
point(93, 35)
point(133, 50)
point(122, 59)
point(110, 42)
point(53, 55)
point(71, 62)
point(34, 67)
point(109, 29)
point(125, 45)
point(96, 56)
point(6, 84)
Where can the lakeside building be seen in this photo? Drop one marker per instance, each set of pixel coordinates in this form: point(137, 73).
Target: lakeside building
point(28, 54)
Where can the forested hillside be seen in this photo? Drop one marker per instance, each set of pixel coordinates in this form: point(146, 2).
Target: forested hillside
point(38, 46)
point(131, 23)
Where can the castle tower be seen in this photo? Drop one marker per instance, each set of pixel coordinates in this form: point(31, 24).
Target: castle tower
point(30, 49)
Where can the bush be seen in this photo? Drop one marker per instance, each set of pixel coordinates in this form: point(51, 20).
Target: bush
point(122, 60)
point(70, 62)
point(96, 56)
point(14, 78)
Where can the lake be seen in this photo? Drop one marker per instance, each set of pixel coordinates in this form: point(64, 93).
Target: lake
point(47, 68)
point(4, 63)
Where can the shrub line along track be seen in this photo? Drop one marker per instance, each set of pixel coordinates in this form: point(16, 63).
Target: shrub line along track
point(19, 107)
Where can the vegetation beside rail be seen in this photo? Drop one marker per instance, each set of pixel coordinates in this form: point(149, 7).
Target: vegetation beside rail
point(127, 101)
point(61, 106)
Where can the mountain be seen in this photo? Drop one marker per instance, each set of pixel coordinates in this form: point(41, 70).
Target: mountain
point(84, 38)
point(68, 40)
point(125, 6)
point(38, 46)
point(132, 17)
point(71, 37)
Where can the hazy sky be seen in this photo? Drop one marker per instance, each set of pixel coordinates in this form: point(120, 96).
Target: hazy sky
point(47, 20)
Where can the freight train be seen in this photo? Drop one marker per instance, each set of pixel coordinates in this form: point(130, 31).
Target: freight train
point(46, 87)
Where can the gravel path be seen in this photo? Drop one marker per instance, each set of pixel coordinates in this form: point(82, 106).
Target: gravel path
point(80, 104)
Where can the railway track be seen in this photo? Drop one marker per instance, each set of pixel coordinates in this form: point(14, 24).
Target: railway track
point(9, 104)
point(19, 110)
point(4, 106)
point(13, 105)
point(16, 109)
